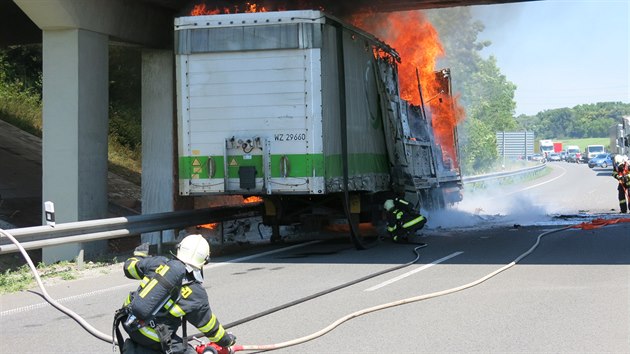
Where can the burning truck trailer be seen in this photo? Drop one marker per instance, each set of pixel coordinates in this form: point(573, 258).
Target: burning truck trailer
point(304, 111)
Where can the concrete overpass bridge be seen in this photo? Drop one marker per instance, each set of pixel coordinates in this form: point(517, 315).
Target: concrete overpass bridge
point(75, 35)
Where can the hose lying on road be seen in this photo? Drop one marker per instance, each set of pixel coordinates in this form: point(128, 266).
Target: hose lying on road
point(323, 292)
point(392, 304)
point(585, 226)
point(88, 327)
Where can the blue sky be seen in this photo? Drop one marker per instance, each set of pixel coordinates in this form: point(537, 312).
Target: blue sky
point(560, 53)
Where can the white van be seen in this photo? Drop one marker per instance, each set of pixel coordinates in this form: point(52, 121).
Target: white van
point(592, 151)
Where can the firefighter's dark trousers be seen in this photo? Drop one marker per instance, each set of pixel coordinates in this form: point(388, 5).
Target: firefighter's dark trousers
point(623, 198)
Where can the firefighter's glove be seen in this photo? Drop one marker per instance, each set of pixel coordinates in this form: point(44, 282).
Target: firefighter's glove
point(228, 340)
point(142, 250)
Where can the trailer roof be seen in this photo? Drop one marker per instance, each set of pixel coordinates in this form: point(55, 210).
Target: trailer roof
point(276, 17)
point(250, 19)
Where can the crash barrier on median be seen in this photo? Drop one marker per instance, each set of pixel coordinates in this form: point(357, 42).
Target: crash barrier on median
point(504, 174)
point(101, 229)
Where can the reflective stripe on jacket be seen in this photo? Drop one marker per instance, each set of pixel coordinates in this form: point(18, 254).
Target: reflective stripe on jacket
point(192, 303)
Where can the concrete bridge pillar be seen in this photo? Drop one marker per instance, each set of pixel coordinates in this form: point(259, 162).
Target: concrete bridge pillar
point(75, 125)
point(75, 114)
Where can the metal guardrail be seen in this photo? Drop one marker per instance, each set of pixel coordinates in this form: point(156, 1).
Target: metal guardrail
point(101, 229)
point(498, 175)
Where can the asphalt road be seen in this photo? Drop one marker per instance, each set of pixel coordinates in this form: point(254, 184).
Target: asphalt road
point(570, 295)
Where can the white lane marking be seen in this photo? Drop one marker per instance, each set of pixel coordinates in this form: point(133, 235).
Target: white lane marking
point(132, 286)
point(65, 299)
point(402, 276)
point(564, 172)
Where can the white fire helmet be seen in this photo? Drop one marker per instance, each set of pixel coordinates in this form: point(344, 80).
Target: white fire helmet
point(389, 204)
point(194, 250)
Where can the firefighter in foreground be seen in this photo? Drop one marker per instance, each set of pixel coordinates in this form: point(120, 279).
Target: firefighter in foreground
point(622, 175)
point(170, 294)
point(402, 219)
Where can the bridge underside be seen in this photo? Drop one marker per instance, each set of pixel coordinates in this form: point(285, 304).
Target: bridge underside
point(19, 28)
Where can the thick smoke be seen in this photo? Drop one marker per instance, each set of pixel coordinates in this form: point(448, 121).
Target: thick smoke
point(494, 205)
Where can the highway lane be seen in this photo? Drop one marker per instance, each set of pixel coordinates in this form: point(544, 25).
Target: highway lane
point(571, 295)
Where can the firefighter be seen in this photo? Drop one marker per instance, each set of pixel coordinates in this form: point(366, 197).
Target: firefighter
point(622, 175)
point(402, 219)
point(188, 303)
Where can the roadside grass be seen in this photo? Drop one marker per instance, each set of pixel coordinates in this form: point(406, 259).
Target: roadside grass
point(582, 143)
point(22, 109)
point(21, 278)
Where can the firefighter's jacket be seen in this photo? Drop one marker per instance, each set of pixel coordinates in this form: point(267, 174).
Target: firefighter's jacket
point(622, 174)
point(192, 304)
point(403, 217)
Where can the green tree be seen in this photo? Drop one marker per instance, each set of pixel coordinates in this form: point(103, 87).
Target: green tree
point(492, 97)
point(581, 121)
point(485, 93)
point(480, 143)
point(22, 66)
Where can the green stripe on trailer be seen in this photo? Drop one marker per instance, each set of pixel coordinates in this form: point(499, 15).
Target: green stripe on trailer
point(198, 167)
point(299, 165)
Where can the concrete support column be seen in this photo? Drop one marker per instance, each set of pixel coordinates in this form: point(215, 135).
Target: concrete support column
point(75, 126)
point(158, 137)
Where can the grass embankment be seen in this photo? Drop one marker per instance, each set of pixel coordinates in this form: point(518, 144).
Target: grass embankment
point(23, 109)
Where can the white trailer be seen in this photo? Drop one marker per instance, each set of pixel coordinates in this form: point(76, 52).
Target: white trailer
point(296, 105)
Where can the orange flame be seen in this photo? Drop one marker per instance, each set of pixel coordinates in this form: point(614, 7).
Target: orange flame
point(254, 8)
point(210, 226)
point(252, 199)
point(202, 9)
point(419, 46)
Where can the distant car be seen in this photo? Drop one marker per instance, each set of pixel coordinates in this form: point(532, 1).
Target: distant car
point(537, 157)
point(563, 155)
point(573, 157)
point(554, 157)
point(601, 160)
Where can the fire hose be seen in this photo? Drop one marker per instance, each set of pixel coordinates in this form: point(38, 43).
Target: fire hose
point(80, 320)
point(595, 223)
